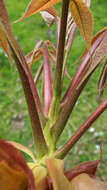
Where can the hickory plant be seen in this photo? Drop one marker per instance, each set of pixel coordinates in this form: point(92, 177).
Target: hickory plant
point(49, 116)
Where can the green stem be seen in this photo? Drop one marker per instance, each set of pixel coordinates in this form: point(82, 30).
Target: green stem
point(49, 138)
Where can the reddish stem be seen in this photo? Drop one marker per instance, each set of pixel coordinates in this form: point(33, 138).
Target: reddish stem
point(82, 69)
point(60, 53)
point(82, 129)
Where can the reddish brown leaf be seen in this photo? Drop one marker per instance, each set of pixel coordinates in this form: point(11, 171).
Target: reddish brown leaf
point(11, 178)
point(4, 20)
point(96, 41)
point(85, 167)
point(98, 55)
point(93, 41)
point(37, 6)
point(83, 19)
point(30, 91)
point(87, 2)
point(14, 161)
point(33, 57)
point(3, 42)
point(32, 101)
point(52, 11)
point(101, 51)
point(70, 37)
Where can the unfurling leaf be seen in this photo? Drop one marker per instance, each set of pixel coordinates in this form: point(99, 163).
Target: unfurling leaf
point(84, 182)
point(71, 29)
point(49, 15)
point(37, 6)
point(96, 40)
point(48, 18)
point(101, 51)
point(99, 54)
point(83, 19)
point(34, 55)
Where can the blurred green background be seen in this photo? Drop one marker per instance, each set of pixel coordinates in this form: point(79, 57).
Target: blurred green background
point(14, 120)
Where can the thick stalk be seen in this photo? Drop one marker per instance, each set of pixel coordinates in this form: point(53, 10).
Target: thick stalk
point(39, 140)
point(60, 54)
point(57, 84)
point(82, 129)
point(54, 108)
point(60, 124)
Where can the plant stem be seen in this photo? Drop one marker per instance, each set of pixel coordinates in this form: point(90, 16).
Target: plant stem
point(68, 106)
point(60, 54)
point(30, 94)
point(74, 91)
point(57, 84)
point(82, 129)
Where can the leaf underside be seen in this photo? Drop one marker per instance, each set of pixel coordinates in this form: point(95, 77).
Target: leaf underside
point(83, 19)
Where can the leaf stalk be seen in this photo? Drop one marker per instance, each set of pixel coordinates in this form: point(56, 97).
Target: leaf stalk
point(82, 129)
point(60, 53)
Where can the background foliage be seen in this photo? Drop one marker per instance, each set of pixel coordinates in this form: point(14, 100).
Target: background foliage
point(14, 121)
